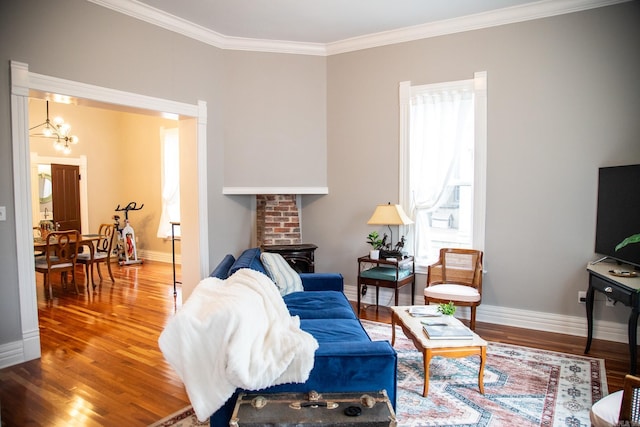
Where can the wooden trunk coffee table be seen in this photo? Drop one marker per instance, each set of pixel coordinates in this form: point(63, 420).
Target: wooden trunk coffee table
point(412, 327)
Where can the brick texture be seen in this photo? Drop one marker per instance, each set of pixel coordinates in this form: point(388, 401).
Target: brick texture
point(277, 219)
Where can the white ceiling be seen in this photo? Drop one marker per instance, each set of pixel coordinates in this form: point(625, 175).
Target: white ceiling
point(324, 21)
point(327, 27)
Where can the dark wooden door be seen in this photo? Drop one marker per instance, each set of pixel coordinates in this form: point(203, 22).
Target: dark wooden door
point(65, 185)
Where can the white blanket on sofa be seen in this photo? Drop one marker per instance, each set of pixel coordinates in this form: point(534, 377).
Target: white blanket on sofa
point(235, 333)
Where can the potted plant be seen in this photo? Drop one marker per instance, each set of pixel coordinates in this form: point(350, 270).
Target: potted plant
point(448, 308)
point(376, 243)
point(629, 240)
point(633, 239)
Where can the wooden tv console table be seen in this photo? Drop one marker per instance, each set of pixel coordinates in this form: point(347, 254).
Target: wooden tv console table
point(620, 289)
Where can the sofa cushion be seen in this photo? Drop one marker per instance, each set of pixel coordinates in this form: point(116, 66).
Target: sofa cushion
point(250, 258)
point(222, 270)
point(343, 330)
point(286, 278)
point(322, 281)
point(319, 305)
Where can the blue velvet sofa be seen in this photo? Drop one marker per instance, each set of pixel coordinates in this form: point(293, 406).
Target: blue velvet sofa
point(346, 360)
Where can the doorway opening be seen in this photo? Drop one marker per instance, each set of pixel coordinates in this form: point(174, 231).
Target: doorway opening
point(42, 207)
point(192, 120)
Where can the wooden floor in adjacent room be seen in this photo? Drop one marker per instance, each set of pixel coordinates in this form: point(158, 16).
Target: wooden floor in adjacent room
point(101, 365)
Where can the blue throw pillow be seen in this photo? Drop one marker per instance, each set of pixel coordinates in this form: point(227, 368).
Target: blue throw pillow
point(250, 258)
point(286, 278)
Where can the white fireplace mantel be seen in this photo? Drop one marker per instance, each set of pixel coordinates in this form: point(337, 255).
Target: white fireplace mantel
point(274, 190)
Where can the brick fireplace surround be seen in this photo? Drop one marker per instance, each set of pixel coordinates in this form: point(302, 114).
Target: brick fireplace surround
point(277, 219)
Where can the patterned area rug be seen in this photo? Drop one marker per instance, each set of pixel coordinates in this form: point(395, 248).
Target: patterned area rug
point(182, 418)
point(523, 387)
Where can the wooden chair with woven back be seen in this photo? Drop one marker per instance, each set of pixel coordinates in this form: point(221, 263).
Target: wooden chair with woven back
point(457, 278)
point(102, 253)
point(61, 253)
point(621, 408)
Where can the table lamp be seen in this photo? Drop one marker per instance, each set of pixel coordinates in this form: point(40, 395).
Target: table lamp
point(389, 215)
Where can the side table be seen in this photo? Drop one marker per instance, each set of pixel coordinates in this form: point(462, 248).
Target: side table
point(383, 273)
point(620, 289)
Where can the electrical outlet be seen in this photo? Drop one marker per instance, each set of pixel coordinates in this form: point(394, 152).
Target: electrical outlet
point(3, 213)
point(610, 302)
point(582, 297)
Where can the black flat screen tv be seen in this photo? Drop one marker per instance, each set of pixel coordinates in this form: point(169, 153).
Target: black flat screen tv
point(618, 214)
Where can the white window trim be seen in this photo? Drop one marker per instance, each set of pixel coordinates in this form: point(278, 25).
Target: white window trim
point(480, 158)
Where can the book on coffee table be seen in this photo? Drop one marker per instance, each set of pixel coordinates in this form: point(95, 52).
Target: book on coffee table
point(443, 331)
point(424, 311)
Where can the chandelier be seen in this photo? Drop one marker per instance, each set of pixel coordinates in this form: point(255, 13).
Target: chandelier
point(57, 130)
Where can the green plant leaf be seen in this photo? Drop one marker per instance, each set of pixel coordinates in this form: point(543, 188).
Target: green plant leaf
point(629, 240)
point(374, 240)
point(447, 308)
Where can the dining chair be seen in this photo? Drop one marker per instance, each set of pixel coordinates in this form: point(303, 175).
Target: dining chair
point(61, 253)
point(37, 236)
point(457, 278)
point(619, 408)
point(101, 253)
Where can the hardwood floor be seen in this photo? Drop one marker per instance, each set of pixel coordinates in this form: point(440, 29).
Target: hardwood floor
point(101, 365)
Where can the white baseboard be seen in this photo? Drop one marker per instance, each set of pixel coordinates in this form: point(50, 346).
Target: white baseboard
point(11, 354)
point(158, 256)
point(539, 321)
point(16, 352)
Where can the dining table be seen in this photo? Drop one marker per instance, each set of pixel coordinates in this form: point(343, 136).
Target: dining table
point(88, 240)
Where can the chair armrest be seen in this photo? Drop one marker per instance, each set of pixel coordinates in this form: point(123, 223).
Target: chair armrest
point(629, 404)
point(322, 281)
point(434, 273)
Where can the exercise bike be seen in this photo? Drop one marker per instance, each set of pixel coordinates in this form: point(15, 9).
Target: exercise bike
point(126, 245)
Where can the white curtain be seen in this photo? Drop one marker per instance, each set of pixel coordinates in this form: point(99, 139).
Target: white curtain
point(441, 126)
point(170, 143)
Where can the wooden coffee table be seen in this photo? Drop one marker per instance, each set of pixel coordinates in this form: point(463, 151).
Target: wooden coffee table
point(412, 328)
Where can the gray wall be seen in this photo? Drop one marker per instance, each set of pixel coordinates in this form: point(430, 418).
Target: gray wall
point(563, 100)
point(105, 48)
point(276, 116)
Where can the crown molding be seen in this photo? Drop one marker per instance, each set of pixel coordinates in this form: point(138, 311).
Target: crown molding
point(143, 12)
point(160, 18)
point(275, 46)
point(509, 15)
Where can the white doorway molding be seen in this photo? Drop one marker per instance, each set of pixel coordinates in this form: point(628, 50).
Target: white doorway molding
point(194, 220)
